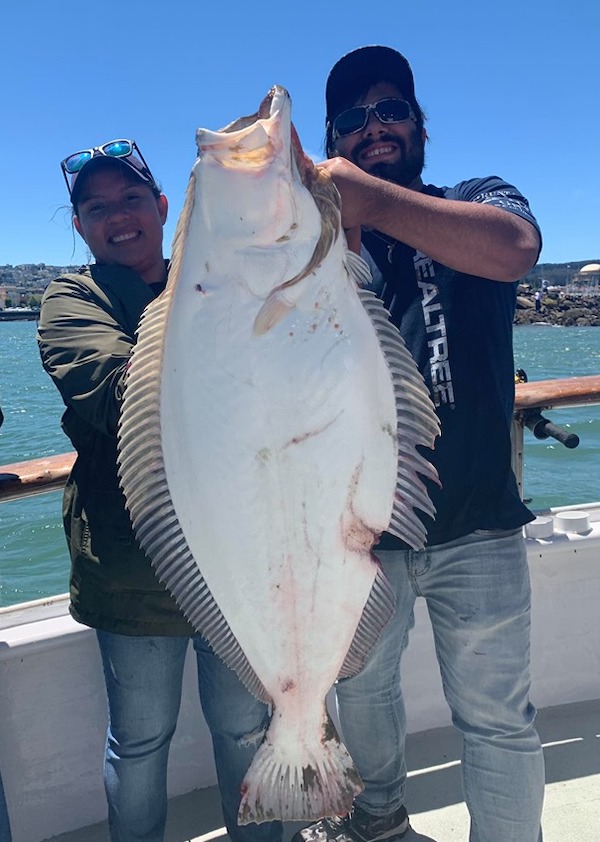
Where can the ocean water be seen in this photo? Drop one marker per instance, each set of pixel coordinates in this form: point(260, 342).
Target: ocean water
point(33, 557)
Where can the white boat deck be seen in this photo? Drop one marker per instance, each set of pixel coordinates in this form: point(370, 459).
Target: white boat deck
point(53, 717)
point(571, 737)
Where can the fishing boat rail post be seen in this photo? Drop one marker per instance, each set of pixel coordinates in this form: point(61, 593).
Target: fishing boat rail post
point(534, 397)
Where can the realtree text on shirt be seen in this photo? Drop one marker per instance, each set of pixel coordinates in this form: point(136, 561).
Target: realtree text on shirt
point(458, 328)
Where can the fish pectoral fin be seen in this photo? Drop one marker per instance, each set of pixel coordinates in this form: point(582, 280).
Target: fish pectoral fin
point(275, 308)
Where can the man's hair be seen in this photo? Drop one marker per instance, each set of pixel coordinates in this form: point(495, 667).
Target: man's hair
point(358, 71)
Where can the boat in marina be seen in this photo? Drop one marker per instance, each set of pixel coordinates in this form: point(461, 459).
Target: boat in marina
point(53, 710)
point(13, 314)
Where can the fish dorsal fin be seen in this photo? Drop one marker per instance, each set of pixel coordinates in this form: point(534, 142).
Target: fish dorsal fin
point(144, 482)
point(181, 231)
point(417, 424)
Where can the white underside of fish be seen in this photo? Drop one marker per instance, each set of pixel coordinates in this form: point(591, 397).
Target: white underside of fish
point(259, 458)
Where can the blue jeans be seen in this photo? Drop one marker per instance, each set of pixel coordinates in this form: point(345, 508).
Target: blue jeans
point(144, 679)
point(478, 597)
point(4, 822)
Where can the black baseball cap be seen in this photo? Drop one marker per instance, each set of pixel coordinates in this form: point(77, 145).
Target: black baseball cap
point(124, 154)
point(360, 69)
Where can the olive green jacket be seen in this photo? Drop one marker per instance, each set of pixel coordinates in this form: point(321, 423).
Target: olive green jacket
point(86, 334)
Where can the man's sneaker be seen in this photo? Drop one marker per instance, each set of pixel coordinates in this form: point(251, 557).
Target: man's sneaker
point(357, 826)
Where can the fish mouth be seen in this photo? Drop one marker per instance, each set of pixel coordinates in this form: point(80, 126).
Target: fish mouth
point(270, 104)
point(254, 141)
point(250, 141)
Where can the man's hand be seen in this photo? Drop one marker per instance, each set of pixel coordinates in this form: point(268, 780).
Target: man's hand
point(353, 186)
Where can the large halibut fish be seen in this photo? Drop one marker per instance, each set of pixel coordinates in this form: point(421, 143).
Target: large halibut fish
point(267, 437)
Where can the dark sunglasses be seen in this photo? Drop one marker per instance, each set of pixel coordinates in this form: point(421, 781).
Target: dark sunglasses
point(388, 110)
point(113, 149)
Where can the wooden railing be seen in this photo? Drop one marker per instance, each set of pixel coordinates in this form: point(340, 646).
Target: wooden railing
point(552, 394)
point(37, 476)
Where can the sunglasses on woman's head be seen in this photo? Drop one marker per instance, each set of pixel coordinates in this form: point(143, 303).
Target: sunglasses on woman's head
point(113, 149)
point(389, 110)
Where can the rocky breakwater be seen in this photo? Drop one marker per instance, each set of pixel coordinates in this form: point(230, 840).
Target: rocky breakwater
point(559, 308)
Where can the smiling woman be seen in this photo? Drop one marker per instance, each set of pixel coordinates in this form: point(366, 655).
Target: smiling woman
point(86, 335)
point(121, 220)
point(118, 208)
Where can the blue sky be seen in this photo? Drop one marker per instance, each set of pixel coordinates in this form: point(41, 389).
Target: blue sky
point(510, 89)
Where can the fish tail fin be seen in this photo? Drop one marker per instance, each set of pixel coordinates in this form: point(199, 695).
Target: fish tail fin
point(283, 783)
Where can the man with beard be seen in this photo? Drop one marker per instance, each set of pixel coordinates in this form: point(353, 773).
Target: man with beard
point(446, 261)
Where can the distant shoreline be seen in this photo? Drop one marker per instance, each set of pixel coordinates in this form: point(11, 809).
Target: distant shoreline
point(559, 309)
point(21, 315)
point(556, 309)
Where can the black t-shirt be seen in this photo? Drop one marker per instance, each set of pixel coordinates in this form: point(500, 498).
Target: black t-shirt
point(459, 328)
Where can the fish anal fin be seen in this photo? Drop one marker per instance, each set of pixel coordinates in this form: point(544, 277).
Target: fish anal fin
point(378, 610)
point(417, 424)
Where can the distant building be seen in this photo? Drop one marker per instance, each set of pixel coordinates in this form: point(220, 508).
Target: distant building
point(587, 280)
point(13, 296)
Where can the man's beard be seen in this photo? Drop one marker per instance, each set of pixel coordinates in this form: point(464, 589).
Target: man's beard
point(403, 172)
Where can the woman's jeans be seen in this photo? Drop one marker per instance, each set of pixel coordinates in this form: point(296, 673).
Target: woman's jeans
point(478, 597)
point(4, 822)
point(144, 679)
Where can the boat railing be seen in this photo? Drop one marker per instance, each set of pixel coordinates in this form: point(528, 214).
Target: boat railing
point(38, 476)
point(534, 398)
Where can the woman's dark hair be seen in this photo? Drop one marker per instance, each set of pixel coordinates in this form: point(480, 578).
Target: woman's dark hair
point(105, 161)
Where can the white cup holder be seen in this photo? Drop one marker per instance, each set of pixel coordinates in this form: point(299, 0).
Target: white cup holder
point(573, 521)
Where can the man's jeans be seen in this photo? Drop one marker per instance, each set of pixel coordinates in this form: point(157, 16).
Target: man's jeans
point(144, 680)
point(478, 597)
